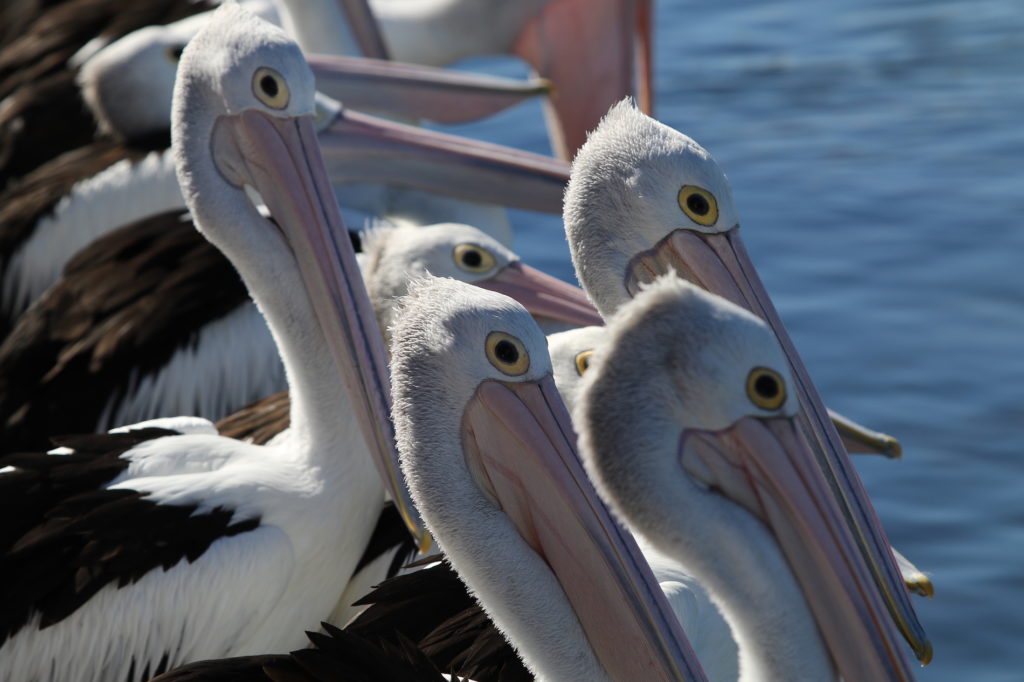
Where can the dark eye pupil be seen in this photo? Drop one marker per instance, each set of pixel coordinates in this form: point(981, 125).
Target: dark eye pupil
point(507, 352)
point(269, 86)
point(766, 386)
point(176, 52)
point(585, 362)
point(472, 259)
point(698, 204)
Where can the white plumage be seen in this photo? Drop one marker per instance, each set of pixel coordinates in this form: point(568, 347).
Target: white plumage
point(711, 636)
point(446, 362)
point(315, 491)
point(645, 200)
point(665, 415)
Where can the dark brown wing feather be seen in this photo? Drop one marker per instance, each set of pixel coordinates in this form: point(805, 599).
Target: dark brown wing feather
point(35, 195)
point(125, 305)
point(33, 67)
point(336, 656)
point(432, 608)
point(241, 669)
point(260, 421)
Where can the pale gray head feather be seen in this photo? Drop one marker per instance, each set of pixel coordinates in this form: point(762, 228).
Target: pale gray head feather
point(622, 197)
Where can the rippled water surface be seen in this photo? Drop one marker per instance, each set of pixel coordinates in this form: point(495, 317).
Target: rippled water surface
point(876, 153)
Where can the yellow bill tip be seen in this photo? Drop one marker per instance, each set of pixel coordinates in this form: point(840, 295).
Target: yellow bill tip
point(920, 584)
point(545, 87)
point(924, 653)
point(890, 447)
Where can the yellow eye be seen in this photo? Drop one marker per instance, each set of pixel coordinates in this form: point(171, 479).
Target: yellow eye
point(699, 204)
point(583, 361)
point(269, 87)
point(507, 354)
point(766, 388)
point(473, 258)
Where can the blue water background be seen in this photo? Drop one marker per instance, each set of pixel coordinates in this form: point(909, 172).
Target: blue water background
point(876, 152)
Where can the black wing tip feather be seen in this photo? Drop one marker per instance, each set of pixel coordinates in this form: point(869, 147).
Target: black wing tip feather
point(389, 533)
point(335, 656)
point(241, 669)
point(66, 536)
point(433, 609)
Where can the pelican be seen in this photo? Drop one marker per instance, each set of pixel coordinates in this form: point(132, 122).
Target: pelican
point(571, 352)
point(205, 349)
point(688, 428)
point(487, 451)
point(644, 199)
point(119, 563)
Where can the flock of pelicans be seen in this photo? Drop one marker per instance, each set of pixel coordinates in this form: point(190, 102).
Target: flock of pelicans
point(696, 517)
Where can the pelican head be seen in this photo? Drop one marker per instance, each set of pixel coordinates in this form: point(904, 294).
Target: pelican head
point(462, 252)
point(645, 200)
point(635, 183)
point(487, 448)
point(687, 420)
point(128, 84)
point(243, 125)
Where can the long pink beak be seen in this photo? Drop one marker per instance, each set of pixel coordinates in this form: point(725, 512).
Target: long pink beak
point(543, 295)
point(766, 466)
point(362, 148)
point(586, 48)
point(281, 158)
point(518, 442)
point(720, 264)
point(420, 92)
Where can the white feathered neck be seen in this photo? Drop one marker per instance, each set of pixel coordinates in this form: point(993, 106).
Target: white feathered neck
point(438, 361)
point(676, 357)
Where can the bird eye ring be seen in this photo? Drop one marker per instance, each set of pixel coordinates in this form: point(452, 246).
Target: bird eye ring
point(473, 258)
point(583, 361)
point(766, 388)
point(270, 88)
point(507, 354)
point(699, 205)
